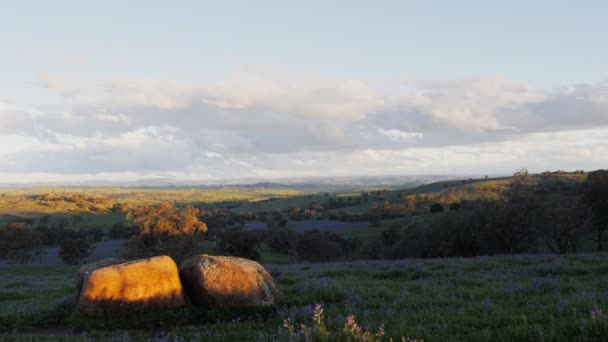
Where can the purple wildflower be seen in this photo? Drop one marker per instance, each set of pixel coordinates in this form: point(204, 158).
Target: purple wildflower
point(317, 314)
point(597, 313)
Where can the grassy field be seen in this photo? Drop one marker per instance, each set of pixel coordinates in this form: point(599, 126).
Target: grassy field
point(531, 298)
point(504, 298)
point(21, 201)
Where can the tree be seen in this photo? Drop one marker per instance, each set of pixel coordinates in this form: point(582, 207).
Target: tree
point(513, 226)
point(519, 187)
point(456, 234)
point(596, 196)
point(163, 229)
point(375, 221)
point(565, 223)
point(166, 220)
point(120, 207)
point(455, 206)
point(315, 245)
point(120, 230)
point(436, 208)
point(285, 240)
point(19, 243)
point(76, 220)
point(411, 202)
point(94, 234)
point(73, 251)
point(391, 235)
point(245, 244)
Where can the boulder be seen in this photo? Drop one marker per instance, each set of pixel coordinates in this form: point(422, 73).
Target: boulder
point(135, 286)
point(87, 269)
point(227, 282)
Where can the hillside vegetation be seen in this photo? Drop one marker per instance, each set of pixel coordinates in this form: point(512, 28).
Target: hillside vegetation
point(461, 260)
point(469, 217)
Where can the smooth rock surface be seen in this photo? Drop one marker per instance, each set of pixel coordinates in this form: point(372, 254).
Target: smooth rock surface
point(140, 285)
point(87, 269)
point(223, 281)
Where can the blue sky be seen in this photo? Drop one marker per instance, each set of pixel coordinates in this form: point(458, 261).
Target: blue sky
point(211, 84)
point(545, 43)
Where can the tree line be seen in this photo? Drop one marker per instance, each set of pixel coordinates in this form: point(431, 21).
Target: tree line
point(530, 217)
point(527, 216)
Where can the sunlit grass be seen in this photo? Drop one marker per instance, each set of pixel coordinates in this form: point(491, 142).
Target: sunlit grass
point(22, 202)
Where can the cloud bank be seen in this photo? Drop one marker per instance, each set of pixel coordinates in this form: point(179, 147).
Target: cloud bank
point(264, 123)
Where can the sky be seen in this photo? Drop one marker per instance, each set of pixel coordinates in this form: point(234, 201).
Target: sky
point(195, 90)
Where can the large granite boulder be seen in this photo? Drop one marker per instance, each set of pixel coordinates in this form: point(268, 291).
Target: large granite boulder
point(140, 285)
point(222, 281)
point(87, 269)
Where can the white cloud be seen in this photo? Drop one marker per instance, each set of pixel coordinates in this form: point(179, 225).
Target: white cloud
point(212, 154)
point(292, 94)
point(468, 105)
point(399, 135)
point(578, 107)
point(14, 121)
point(161, 94)
point(260, 122)
point(121, 118)
point(587, 149)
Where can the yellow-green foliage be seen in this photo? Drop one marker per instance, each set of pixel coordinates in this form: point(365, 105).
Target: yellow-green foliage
point(25, 202)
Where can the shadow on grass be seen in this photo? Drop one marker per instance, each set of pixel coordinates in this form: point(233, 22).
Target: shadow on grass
point(175, 318)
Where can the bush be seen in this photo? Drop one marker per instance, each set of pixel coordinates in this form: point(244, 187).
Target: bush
point(122, 231)
point(315, 245)
point(179, 248)
point(437, 208)
point(73, 251)
point(19, 243)
point(284, 240)
point(95, 234)
point(245, 244)
point(485, 228)
point(165, 230)
point(455, 206)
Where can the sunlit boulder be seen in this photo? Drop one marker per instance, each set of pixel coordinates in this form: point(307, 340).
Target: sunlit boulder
point(87, 269)
point(140, 285)
point(222, 281)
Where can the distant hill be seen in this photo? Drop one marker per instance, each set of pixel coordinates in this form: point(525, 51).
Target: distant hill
point(313, 184)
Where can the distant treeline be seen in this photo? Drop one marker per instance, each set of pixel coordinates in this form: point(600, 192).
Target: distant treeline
point(551, 216)
point(527, 216)
point(552, 213)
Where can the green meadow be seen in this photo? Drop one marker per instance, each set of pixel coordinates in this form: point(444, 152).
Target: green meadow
point(502, 298)
point(525, 297)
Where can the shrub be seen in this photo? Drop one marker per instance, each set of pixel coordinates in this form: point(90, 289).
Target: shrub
point(245, 244)
point(19, 243)
point(165, 230)
point(596, 196)
point(122, 231)
point(455, 206)
point(179, 248)
point(93, 233)
point(437, 208)
point(73, 251)
point(315, 245)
